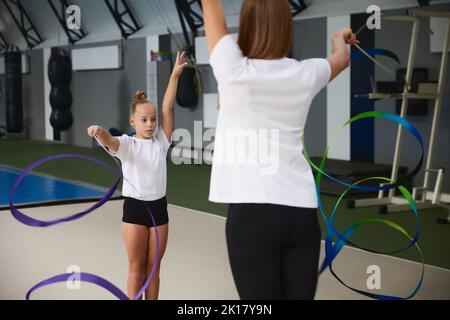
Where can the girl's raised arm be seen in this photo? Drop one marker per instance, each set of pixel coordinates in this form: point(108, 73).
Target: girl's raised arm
point(169, 97)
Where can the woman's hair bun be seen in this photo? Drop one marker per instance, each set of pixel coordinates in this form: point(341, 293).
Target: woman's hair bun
point(140, 95)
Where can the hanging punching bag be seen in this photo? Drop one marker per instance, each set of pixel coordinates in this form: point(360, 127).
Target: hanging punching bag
point(187, 96)
point(60, 76)
point(13, 92)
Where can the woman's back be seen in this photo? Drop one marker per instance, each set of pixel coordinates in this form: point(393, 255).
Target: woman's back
point(264, 106)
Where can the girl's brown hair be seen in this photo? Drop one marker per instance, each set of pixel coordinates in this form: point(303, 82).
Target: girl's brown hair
point(266, 29)
point(139, 98)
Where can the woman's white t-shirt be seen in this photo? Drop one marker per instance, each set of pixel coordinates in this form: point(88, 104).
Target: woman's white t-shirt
point(264, 105)
point(144, 165)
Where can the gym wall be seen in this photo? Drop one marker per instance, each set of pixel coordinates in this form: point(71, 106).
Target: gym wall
point(104, 97)
point(33, 97)
point(101, 96)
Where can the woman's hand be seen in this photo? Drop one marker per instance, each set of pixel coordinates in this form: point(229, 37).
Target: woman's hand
point(340, 58)
point(215, 24)
point(349, 36)
point(180, 63)
point(94, 131)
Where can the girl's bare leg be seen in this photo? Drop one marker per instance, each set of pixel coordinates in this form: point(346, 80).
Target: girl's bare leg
point(152, 291)
point(136, 242)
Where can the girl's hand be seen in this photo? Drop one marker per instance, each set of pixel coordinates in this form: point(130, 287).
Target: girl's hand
point(180, 63)
point(94, 130)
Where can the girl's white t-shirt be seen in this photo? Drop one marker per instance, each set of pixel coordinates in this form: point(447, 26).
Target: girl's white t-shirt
point(264, 105)
point(144, 164)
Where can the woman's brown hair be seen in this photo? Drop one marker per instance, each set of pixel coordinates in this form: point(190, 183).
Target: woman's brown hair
point(139, 98)
point(266, 29)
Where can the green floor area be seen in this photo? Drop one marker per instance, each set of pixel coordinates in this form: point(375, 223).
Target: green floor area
point(188, 186)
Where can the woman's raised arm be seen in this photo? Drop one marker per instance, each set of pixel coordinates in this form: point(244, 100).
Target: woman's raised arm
point(215, 25)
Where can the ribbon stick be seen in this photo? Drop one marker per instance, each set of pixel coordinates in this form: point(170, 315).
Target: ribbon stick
point(382, 66)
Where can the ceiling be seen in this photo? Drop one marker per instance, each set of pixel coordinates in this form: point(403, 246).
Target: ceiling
point(155, 16)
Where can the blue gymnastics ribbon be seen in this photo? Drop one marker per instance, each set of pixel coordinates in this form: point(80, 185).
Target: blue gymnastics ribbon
point(332, 249)
point(356, 55)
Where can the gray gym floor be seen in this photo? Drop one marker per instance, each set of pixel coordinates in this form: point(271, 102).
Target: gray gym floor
point(195, 265)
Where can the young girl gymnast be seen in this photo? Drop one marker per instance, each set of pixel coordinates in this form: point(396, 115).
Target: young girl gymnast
point(143, 158)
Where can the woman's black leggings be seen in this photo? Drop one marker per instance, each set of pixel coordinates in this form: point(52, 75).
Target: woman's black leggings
point(273, 251)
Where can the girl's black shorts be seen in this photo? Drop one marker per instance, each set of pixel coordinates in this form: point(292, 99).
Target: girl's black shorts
point(136, 212)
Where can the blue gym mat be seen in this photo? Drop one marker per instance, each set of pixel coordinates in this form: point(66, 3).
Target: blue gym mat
point(36, 188)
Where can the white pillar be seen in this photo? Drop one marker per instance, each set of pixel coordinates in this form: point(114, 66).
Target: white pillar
point(152, 69)
point(338, 99)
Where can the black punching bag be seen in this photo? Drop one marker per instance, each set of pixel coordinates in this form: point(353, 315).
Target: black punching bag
point(13, 92)
point(187, 96)
point(60, 76)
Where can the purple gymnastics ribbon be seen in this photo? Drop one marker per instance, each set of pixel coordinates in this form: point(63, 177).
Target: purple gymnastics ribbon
point(84, 277)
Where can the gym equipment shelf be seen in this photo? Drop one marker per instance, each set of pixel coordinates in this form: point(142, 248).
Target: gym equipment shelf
point(406, 95)
point(425, 196)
